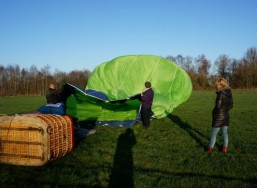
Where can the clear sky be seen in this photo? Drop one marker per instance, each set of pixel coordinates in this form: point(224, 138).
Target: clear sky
point(81, 34)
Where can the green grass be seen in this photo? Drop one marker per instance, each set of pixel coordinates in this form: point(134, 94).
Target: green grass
point(21, 104)
point(169, 154)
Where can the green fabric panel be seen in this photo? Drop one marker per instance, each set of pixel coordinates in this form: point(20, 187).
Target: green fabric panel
point(96, 110)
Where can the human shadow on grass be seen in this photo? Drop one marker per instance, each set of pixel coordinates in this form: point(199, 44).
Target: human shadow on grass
point(194, 133)
point(122, 174)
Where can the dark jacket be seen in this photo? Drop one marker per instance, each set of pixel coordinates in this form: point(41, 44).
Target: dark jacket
point(147, 98)
point(53, 96)
point(223, 103)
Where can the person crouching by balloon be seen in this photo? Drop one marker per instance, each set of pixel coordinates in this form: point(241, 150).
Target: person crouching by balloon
point(220, 114)
point(147, 101)
point(55, 104)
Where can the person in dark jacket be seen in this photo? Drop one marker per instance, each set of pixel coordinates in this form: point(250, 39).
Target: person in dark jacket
point(220, 114)
point(55, 104)
point(53, 96)
point(147, 101)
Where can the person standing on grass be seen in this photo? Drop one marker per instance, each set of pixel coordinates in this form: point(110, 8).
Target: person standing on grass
point(220, 114)
point(147, 101)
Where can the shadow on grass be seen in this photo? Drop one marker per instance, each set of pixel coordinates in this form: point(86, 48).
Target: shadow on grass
point(122, 174)
point(194, 133)
point(210, 179)
point(25, 177)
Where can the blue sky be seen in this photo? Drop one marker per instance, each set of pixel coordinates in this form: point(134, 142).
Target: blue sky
point(81, 34)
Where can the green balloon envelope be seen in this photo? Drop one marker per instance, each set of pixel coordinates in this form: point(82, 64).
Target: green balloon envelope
point(125, 76)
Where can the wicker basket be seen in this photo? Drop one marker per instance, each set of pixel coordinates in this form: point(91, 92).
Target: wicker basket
point(34, 140)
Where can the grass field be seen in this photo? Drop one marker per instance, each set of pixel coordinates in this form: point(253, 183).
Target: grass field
point(169, 154)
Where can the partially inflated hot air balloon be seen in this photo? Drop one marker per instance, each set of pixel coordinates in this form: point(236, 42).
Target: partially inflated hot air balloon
point(104, 98)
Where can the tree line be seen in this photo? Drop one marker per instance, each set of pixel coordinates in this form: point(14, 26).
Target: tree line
point(240, 73)
point(15, 81)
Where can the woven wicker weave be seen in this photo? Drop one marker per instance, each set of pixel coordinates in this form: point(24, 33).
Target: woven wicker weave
point(34, 140)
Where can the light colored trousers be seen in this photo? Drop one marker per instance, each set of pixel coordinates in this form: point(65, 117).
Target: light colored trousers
point(214, 132)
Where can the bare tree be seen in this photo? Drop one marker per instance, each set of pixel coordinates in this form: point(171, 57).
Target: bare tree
point(171, 58)
point(79, 77)
point(223, 64)
point(203, 66)
point(251, 60)
point(233, 69)
point(2, 69)
point(24, 82)
point(59, 77)
point(251, 55)
point(33, 72)
point(44, 79)
point(185, 62)
point(10, 77)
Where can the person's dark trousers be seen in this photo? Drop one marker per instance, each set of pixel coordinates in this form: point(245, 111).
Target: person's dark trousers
point(146, 112)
